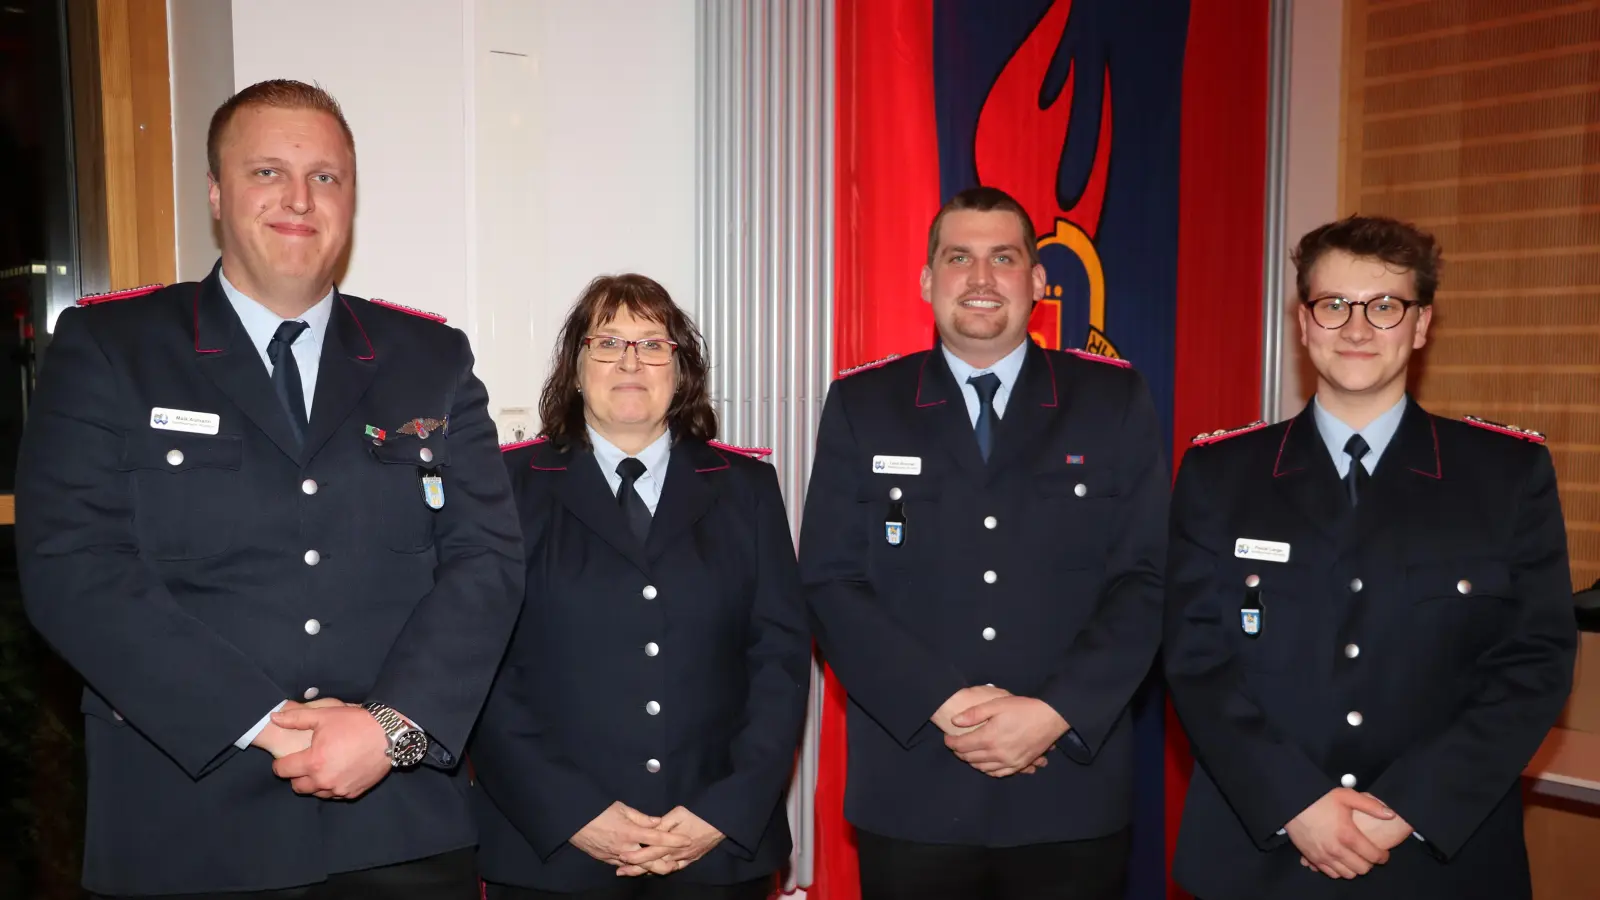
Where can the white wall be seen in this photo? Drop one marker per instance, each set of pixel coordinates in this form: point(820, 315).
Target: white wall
point(1315, 64)
point(508, 151)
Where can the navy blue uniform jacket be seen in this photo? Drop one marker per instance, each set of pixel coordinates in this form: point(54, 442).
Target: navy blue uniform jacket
point(704, 620)
point(1417, 648)
point(1038, 572)
point(171, 570)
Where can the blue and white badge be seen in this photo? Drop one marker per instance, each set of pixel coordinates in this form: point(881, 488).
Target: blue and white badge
point(433, 491)
point(1250, 621)
point(894, 533)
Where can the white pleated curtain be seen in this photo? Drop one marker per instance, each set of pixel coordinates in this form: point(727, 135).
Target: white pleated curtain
point(764, 275)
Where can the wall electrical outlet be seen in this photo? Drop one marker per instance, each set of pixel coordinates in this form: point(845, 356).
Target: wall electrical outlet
point(515, 423)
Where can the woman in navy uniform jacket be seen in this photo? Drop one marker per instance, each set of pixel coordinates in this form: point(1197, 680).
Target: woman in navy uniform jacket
point(642, 731)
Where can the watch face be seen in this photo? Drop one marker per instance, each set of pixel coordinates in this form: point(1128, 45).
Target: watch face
point(409, 749)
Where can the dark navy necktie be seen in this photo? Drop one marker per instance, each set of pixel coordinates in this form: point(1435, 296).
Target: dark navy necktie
point(1356, 478)
point(986, 385)
point(633, 505)
point(286, 375)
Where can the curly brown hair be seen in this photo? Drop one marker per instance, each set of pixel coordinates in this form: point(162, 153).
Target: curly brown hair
point(1399, 244)
point(561, 403)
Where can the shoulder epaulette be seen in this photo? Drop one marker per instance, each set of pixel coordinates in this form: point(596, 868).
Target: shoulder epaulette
point(1534, 436)
point(518, 445)
point(109, 296)
point(410, 310)
point(845, 373)
point(752, 452)
point(1211, 437)
point(1100, 358)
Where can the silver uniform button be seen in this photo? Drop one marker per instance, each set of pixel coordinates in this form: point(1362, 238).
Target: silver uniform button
point(1252, 580)
point(652, 707)
point(1464, 586)
point(1355, 585)
point(649, 592)
point(1353, 717)
point(1351, 651)
point(313, 557)
point(1347, 780)
point(309, 486)
point(426, 454)
point(174, 457)
point(1080, 490)
point(311, 693)
point(988, 634)
point(990, 522)
point(652, 648)
point(652, 765)
point(894, 493)
point(313, 626)
point(990, 577)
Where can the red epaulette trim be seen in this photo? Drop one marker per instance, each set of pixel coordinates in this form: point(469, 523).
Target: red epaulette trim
point(518, 445)
point(752, 452)
point(109, 296)
point(1536, 437)
point(1101, 358)
point(1211, 437)
point(877, 363)
point(410, 310)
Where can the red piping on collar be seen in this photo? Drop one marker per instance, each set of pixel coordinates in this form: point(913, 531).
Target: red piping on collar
point(1054, 397)
point(1277, 467)
point(921, 370)
point(197, 347)
point(725, 463)
point(371, 353)
point(518, 445)
point(1438, 467)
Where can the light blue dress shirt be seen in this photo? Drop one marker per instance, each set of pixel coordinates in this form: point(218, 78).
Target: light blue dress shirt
point(261, 324)
point(1378, 433)
point(654, 458)
point(1007, 369)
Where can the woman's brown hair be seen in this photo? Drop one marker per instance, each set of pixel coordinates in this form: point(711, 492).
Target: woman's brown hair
point(561, 403)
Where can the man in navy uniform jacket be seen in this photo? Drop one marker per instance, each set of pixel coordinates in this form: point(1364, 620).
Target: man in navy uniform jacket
point(982, 550)
point(263, 518)
point(1369, 622)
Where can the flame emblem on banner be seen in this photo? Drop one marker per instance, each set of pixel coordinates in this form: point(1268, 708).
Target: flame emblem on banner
point(1018, 148)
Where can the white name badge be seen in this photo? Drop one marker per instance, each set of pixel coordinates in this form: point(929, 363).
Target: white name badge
point(897, 465)
point(1266, 551)
point(184, 420)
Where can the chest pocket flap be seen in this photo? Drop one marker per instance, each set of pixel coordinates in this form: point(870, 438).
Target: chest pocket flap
point(410, 452)
point(168, 451)
point(1458, 579)
point(1076, 481)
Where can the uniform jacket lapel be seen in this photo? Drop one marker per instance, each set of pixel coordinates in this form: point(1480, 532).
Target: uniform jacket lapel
point(942, 414)
point(689, 492)
point(1304, 475)
point(347, 367)
point(224, 352)
point(1035, 403)
point(583, 490)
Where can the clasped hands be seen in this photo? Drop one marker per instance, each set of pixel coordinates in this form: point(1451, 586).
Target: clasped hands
point(328, 748)
point(636, 843)
point(1344, 834)
point(997, 733)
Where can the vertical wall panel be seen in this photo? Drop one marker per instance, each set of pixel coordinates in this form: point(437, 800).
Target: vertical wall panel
point(764, 261)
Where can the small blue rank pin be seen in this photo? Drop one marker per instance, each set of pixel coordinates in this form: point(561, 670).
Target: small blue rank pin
point(433, 491)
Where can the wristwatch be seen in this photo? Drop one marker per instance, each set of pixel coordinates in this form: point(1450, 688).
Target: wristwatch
point(407, 745)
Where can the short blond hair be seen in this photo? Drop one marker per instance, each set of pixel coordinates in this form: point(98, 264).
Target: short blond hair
point(279, 93)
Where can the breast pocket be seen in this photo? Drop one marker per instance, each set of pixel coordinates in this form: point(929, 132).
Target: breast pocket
point(188, 493)
point(1465, 604)
point(901, 517)
point(405, 503)
point(1268, 611)
point(1077, 510)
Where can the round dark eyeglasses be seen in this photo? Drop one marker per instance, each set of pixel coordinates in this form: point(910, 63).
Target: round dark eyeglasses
point(1382, 312)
